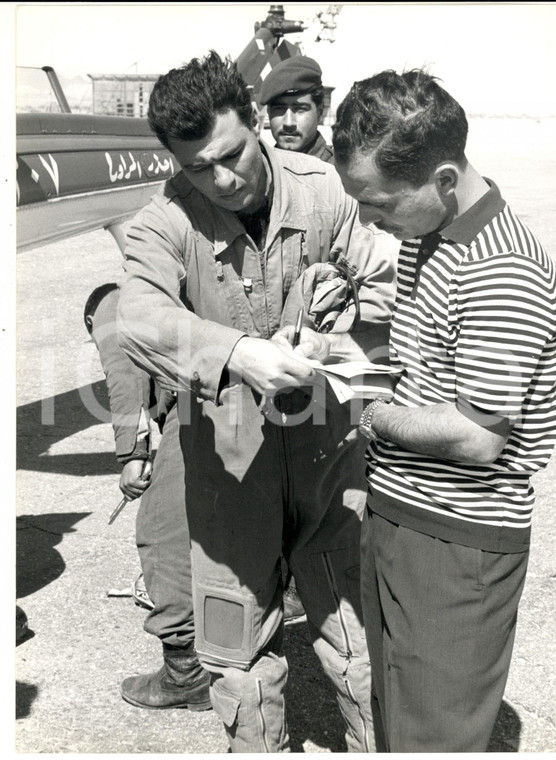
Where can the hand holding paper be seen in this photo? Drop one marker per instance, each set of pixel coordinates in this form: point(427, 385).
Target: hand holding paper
point(357, 379)
point(348, 379)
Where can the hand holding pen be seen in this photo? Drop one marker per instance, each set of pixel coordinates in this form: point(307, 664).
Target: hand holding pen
point(311, 337)
point(314, 345)
point(132, 485)
point(298, 325)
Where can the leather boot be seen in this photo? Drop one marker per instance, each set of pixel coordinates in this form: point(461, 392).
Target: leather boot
point(180, 682)
point(294, 612)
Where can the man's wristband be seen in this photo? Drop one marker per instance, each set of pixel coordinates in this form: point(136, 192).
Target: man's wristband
point(365, 423)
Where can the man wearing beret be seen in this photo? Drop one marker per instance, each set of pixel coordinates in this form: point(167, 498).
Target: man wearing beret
point(294, 96)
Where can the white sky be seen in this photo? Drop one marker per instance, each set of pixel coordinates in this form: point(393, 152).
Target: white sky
point(495, 58)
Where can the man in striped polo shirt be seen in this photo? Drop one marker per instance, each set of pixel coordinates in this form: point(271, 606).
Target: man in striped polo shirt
point(446, 536)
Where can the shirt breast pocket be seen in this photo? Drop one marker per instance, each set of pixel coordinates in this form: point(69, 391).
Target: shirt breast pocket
point(319, 235)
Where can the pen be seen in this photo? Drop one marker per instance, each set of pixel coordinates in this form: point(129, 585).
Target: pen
point(118, 509)
point(297, 333)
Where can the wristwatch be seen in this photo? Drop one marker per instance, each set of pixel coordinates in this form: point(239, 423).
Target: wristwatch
point(365, 423)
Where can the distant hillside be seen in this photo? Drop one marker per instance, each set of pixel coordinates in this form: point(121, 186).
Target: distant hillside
point(34, 92)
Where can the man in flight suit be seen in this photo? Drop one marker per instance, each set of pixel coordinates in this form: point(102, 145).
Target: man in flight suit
point(161, 532)
point(272, 462)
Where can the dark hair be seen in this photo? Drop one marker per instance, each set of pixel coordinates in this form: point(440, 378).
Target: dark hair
point(408, 121)
point(185, 101)
point(317, 96)
point(94, 300)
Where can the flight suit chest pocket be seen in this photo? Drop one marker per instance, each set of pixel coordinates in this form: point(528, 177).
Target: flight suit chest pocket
point(219, 289)
point(319, 237)
point(293, 257)
point(240, 281)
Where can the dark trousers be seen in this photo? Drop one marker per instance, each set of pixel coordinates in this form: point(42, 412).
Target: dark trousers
point(257, 490)
point(440, 622)
point(163, 543)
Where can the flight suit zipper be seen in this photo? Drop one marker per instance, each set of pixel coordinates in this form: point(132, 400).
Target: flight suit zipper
point(261, 254)
point(347, 644)
point(351, 695)
point(260, 714)
point(262, 259)
point(341, 618)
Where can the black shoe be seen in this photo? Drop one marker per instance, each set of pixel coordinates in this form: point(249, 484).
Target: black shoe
point(180, 682)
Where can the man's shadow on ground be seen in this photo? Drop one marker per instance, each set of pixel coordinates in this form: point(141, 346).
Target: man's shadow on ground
point(506, 732)
point(38, 563)
point(313, 713)
point(41, 424)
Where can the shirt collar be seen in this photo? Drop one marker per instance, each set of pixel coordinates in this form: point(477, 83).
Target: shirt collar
point(285, 211)
point(316, 145)
point(465, 228)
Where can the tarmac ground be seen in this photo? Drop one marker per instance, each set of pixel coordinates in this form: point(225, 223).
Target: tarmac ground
point(82, 641)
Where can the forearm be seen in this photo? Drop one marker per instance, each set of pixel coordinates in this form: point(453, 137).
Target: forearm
point(439, 431)
point(176, 347)
point(130, 401)
point(129, 388)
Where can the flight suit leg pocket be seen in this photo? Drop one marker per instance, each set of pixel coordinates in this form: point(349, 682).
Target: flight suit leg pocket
point(225, 702)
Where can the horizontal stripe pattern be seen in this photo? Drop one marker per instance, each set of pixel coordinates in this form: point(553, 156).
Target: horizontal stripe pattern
point(480, 329)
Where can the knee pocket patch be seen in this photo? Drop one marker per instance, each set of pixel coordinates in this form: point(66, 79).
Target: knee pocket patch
point(218, 610)
point(224, 627)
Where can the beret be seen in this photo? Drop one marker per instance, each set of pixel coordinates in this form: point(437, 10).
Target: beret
point(296, 74)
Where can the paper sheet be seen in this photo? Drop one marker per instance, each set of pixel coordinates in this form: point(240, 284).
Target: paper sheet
point(353, 379)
